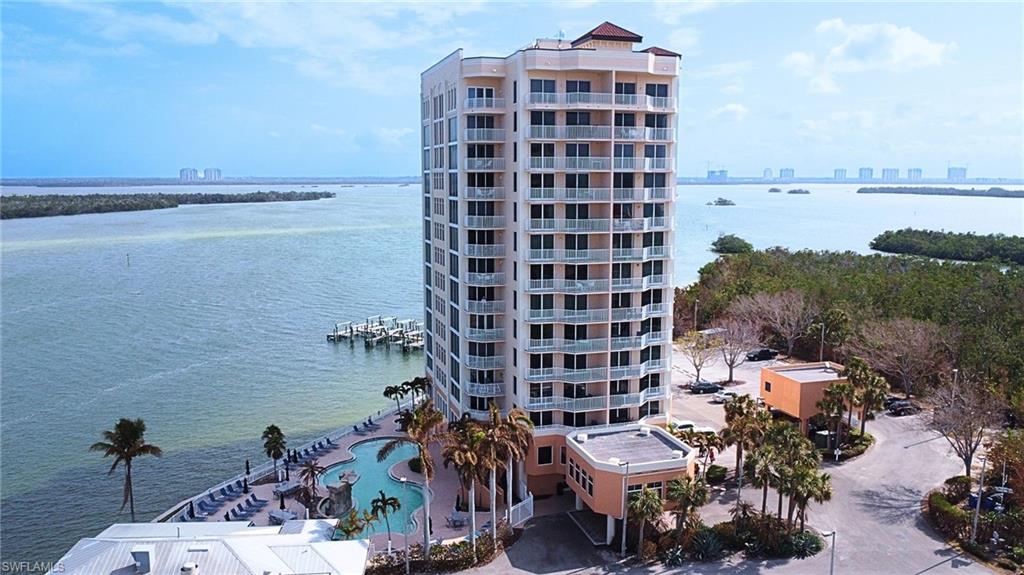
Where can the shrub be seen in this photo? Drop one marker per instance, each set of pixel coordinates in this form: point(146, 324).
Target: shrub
point(976, 549)
point(805, 544)
point(706, 545)
point(415, 465)
point(726, 531)
point(957, 488)
point(650, 549)
point(673, 557)
point(947, 518)
point(715, 474)
point(1006, 563)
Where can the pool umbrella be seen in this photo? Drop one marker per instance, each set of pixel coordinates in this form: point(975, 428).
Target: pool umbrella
point(247, 470)
point(245, 485)
point(287, 472)
point(282, 502)
point(191, 509)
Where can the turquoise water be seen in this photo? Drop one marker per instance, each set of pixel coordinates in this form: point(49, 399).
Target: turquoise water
point(373, 476)
point(217, 327)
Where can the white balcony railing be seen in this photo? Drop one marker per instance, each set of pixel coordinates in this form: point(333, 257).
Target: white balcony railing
point(485, 103)
point(588, 99)
point(655, 223)
point(484, 250)
point(657, 163)
point(567, 225)
point(483, 306)
point(568, 345)
point(485, 222)
point(568, 315)
point(628, 225)
point(484, 361)
point(568, 403)
point(601, 99)
point(485, 389)
point(655, 281)
point(638, 133)
point(567, 375)
point(568, 286)
point(569, 163)
point(485, 164)
point(484, 334)
point(569, 194)
point(626, 399)
point(626, 163)
point(485, 134)
point(627, 284)
point(627, 254)
point(567, 256)
point(543, 98)
point(488, 279)
point(476, 193)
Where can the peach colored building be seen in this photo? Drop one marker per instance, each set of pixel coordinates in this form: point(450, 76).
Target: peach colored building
point(548, 189)
point(796, 389)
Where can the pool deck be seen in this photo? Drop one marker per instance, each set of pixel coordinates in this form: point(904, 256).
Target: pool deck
point(444, 489)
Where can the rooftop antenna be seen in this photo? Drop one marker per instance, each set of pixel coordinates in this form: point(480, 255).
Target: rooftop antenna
point(561, 36)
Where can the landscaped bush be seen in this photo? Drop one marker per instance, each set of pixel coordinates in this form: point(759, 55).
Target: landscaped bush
point(650, 550)
point(415, 465)
point(805, 544)
point(947, 518)
point(707, 546)
point(726, 531)
point(715, 474)
point(673, 557)
point(443, 558)
point(957, 488)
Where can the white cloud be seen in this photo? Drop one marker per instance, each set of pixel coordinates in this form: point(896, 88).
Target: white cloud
point(114, 24)
point(720, 70)
point(393, 136)
point(732, 111)
point(674, 11)
point(856, 48)
point(682, 39)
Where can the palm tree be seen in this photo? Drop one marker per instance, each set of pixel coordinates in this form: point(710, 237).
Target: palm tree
point(872, 395)
point(847, 393)
point(309, 475)
point(274, 443)
point(818, 489)
point(833, 407)
point(382, 506)
point(688, 494)
point(395, 392)
point(124, 443)
point(645, 507)
point(507, 438)
point(762, 463)
point(419, 386)
point(746, 425)
point(706, 444)
point(462, 448)
point(792, 450)
point(421, 431)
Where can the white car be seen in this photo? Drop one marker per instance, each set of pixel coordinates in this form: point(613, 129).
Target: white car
point(724, 396)
point(687, 425)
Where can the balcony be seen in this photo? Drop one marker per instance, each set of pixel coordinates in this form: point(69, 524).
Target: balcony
point(484, 361)
point(485, 164)
point(484, 222)
point(627, 284)
point(567, 375)
point(543, 98)
point(568, 256)
point(624, 372)
point(568, 286)
point(655, 281)
point(640, 194)
point(484, 250)
point(484, 334)
point(484, 307)
point(640, 254)
point(588, 99)
point(488, 279)
point(568, 345)
point(569, 194)
point(585, 132)
point(566, 225)
point(634, 399)
point(628, 225)
point(637, 342)
point(568, 403)
point(485, 193)
point(569, 163)
point(640, 134)
point(485, 104)
point(572, 316)
point(655, 223)
point(485, 389)
point(485, 135)
point(627, 314)
point(658, 164)
point(626, 163)
point(600, 99)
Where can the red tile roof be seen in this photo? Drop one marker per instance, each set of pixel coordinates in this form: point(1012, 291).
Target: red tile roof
point(661, 52)
point(608, 31)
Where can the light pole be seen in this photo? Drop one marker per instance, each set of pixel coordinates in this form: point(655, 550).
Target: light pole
point(981, 492)
point(625, 506)
point(695, 302)
point(821, 348)
point(832, 561)
point(408, 518)
point(956, 376)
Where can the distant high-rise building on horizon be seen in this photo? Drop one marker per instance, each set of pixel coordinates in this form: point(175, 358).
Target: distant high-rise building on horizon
point(767, 174)
point(865, 174)
point(188, 175)
point(839, 174)
point(956, 174)
point(787, 173)
point(890, 174)
point(718, 175)
point(914, 174)
point(211, 174)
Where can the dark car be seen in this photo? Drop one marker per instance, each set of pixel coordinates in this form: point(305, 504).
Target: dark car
point(702, 386)
point(891, 400)
point(762, 354)
point(903, 407)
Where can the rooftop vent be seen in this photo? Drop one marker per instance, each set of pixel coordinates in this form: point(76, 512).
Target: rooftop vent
point(143, 557)
point(677, 454)
point(645, 431)
point(190, 569)
point(582, 438)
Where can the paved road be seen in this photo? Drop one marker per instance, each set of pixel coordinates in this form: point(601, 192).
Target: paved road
point(875, 510)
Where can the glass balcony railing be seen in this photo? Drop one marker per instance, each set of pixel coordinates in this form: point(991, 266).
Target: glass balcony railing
point(477, 193)
point(485, 103)
point(485, 134)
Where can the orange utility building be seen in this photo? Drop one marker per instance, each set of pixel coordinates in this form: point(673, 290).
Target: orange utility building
point(796, 389)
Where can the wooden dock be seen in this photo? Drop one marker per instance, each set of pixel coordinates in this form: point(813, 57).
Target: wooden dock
point(377, 330)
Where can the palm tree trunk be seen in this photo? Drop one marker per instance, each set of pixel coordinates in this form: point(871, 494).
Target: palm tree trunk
point(508, 488)
point(131, 488)
point(472, 516)
point(789, 514)
point(494, 504)
point(640, 544)
point(426, 513)
point(764, 497)
point(802, 511)
point(863, 419)
point(387, 522)
point(779, 515)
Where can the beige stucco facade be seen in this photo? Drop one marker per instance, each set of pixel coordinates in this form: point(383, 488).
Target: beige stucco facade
point(796, 389)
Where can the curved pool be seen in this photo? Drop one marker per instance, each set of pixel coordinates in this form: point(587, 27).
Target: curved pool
point(373, 476)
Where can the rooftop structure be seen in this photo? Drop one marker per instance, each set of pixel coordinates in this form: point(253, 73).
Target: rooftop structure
point(796, 389)
point(227, 548)
point(639, 444)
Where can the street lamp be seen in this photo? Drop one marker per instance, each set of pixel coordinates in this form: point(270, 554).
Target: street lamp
point(981, 492)
point(832, 561)
point(408, 518)
point(695, 302)
point(821, 348)
point(625, 505)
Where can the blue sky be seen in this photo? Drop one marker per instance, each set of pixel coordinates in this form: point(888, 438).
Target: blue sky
point(329, 89)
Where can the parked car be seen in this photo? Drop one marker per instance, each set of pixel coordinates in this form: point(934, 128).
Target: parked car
point(903, 407)
point(701, 386)
point(724, 396)
point(762, 354)
point(687, 425)
point(891, 400)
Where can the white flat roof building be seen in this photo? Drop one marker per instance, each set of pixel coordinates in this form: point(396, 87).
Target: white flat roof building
point(223, 548)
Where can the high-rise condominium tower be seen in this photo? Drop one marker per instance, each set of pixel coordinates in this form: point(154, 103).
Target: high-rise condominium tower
point(548, 187)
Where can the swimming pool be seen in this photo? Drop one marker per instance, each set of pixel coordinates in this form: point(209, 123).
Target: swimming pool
point(373, 476)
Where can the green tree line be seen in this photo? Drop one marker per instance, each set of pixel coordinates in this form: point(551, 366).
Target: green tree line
point(952, 246)
point(36, 206)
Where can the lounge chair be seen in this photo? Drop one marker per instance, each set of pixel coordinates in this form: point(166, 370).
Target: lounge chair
point(238, 485)
point(257, 501)
point(226, 494)
point(205, 508)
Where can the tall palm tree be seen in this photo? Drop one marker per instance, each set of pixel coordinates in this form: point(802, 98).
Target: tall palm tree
point(872, 397)
point(746, 424)
point(124, 443)
point(792, 450)
point(645, 507)
point(382, 506)
point(817, 488)
point(419, 386)
point(395, 392)
point(463, 448)
point(833, 407)
point(274, 443)
point(706, 444)
point(507, 438)
point(309, 475)
point(762, 464)
point(421, 431)
point(688, 494)
point(847, 393)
